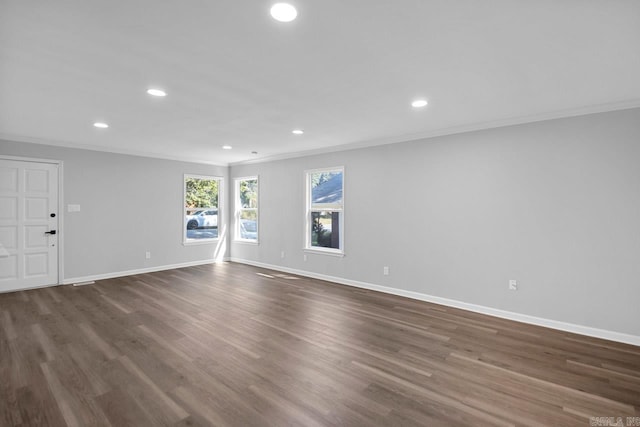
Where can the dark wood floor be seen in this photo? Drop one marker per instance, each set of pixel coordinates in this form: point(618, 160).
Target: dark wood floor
point(223, 345)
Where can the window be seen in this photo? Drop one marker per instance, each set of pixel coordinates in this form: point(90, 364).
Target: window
point(325, 209)
point(202, 195)
point(246, 209)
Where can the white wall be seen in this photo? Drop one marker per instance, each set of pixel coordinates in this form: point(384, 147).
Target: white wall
point(129, 205)
point(553, 204)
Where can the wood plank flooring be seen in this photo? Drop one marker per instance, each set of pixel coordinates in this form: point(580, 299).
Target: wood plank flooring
point(221, 345)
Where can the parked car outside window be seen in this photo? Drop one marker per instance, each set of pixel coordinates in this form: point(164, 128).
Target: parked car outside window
point(202, 219)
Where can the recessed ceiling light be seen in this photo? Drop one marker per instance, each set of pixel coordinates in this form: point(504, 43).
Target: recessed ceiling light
point(283, 12)
point(101, 125)
point(156, 92)
point(227, 147)
point(297, 131)
point(419, 103)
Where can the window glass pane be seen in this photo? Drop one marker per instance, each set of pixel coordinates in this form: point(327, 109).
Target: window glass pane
point(249, 225)
point(246, 209)
point(249, 193)
point(325, 229)
point(326, 189)
point(201, 208)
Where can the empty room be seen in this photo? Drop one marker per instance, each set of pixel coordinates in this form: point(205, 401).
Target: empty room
point(320, 213)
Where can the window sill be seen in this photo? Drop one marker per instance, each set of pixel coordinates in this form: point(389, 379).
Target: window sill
point(199, 242)
point(335, 253)
point(247, 242)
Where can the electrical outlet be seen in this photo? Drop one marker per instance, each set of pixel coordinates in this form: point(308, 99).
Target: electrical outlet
point(513, 285)
point(282, 254)
point(304, 257)
point(148, 255)
point(385, 270)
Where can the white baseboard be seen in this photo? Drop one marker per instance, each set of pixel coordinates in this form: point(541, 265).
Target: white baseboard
point(104, 276)
point(28, 288)
point(518, 317)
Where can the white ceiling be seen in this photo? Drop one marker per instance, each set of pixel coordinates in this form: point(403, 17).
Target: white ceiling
point(344, 71)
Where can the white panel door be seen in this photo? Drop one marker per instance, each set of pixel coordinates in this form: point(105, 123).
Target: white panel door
point(28, 225)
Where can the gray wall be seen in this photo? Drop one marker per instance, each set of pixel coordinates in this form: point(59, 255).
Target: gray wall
point(553, 204)
point(129, 205)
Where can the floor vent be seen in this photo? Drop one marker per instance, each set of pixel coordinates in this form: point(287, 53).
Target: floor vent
point(284, 276)
point(89, 282)
point(265, 275)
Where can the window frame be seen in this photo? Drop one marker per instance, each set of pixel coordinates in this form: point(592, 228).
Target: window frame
point(308, 209)
point(221, 202)
point(238, 210)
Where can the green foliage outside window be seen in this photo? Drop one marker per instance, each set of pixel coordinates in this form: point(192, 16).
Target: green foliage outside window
point(201, 193)
point(249, 193)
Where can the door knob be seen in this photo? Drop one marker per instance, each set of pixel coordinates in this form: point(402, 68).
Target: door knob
point(50, 232)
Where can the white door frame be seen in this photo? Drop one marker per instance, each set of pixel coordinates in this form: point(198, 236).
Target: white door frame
point(60, 207)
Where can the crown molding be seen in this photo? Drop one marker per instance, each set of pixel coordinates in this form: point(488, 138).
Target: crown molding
point(89, 147)
point(493, 124)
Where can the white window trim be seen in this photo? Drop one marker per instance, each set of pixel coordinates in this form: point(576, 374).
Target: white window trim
point(221, 204)
point(307, 212)
point(237, 209)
